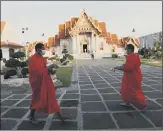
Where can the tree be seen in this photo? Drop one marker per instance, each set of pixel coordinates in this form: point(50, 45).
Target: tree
point(157, 45)
point(17, 64)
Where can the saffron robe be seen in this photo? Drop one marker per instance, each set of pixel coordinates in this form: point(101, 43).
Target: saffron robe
point(43, 90)
point(131, 90)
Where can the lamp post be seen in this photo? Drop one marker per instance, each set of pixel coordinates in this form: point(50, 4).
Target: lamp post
point(23, 32)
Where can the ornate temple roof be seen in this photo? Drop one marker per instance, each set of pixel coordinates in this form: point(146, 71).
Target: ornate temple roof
point(65, 28)
point(129, 40)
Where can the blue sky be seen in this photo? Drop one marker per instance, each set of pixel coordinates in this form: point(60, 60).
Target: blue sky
point(120, 16)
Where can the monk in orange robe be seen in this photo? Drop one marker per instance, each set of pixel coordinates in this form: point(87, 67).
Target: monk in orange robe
point(131, 90)
point(43, 90)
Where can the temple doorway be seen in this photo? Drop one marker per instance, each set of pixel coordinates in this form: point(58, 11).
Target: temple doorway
point(85, 48)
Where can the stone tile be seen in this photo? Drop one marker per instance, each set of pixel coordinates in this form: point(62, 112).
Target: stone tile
point(118, 89)
point(154, 94)
point(71, 96)
point(83, 79)
point(112, 80)
point(88, 91)
point(147, 88)
point(107, 90)
point(27, 125)
point(160, 101)
point(69, 103)
point(15, 113)
point(29, 97)
point(90, 98)
point(7, 124)
point(95, 121)
point(158, 87)
point(98, 86)
point(93, 106)
point(155, 117)
point(17, 97)
point(132, 120)
point(96, 79)
point(3, 109)
point(115, 106)
point(58, 96)
point(68, 125)
point(111, 96)
point(9, 102)
point(24, 103)
point(86, 87)
point(71, 113)
point(150, 82)
point(20, 90)
point(72, 91)
point(115, 84)
point(152, 105)
point(5, 96)
point(85, 83)
point(98, 82)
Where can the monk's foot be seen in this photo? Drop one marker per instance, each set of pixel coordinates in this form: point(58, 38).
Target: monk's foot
point(33, 120)
point(125, 104)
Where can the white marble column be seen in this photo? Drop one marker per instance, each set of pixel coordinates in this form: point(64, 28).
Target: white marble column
point(78, 45)
point(74, 44)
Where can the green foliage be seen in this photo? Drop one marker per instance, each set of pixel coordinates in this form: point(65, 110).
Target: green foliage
point(157, 45)
point(114, 56)
point(54, 58)
point(158, 54)
point(70, 57)
point(18, 55)
point(12, 63)
point(11, 73)
point(25, 71)
point(17, 63)
point(64, 51)
point(23, 64)
point(57, 59)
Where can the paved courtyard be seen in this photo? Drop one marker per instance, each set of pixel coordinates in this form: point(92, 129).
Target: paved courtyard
point(91, 103)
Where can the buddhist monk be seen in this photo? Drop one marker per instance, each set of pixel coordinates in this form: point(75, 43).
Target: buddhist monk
point(43, 90)
point(131, 90)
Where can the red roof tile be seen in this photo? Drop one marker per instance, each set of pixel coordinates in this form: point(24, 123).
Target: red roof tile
point(11, 44)
point(3, 23)
point(62, 28)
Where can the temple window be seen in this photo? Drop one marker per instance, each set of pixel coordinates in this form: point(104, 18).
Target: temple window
point(11, 52)
point(101, 46)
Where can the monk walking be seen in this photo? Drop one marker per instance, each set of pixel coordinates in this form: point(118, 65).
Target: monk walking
point(43, 90)
point(131, 90)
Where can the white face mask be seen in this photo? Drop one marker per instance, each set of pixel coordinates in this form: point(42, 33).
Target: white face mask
point(43, 52)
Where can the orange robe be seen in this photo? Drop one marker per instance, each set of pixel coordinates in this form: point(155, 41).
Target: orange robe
point(131, 90)
point(43, 90)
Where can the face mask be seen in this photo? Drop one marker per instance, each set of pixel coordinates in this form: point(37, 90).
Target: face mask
point(43, 52)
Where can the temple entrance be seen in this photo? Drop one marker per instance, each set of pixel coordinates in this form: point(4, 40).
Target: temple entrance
point(85, 48)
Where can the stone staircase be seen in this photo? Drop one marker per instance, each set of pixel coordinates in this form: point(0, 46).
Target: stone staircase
point(84, 56)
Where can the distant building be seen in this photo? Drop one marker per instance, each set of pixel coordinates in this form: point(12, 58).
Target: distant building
point(83, 34)
point(8, 46)
point(148, 40)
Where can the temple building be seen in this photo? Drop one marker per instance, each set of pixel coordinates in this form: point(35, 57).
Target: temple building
point(8, 44)
point(83, 34)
